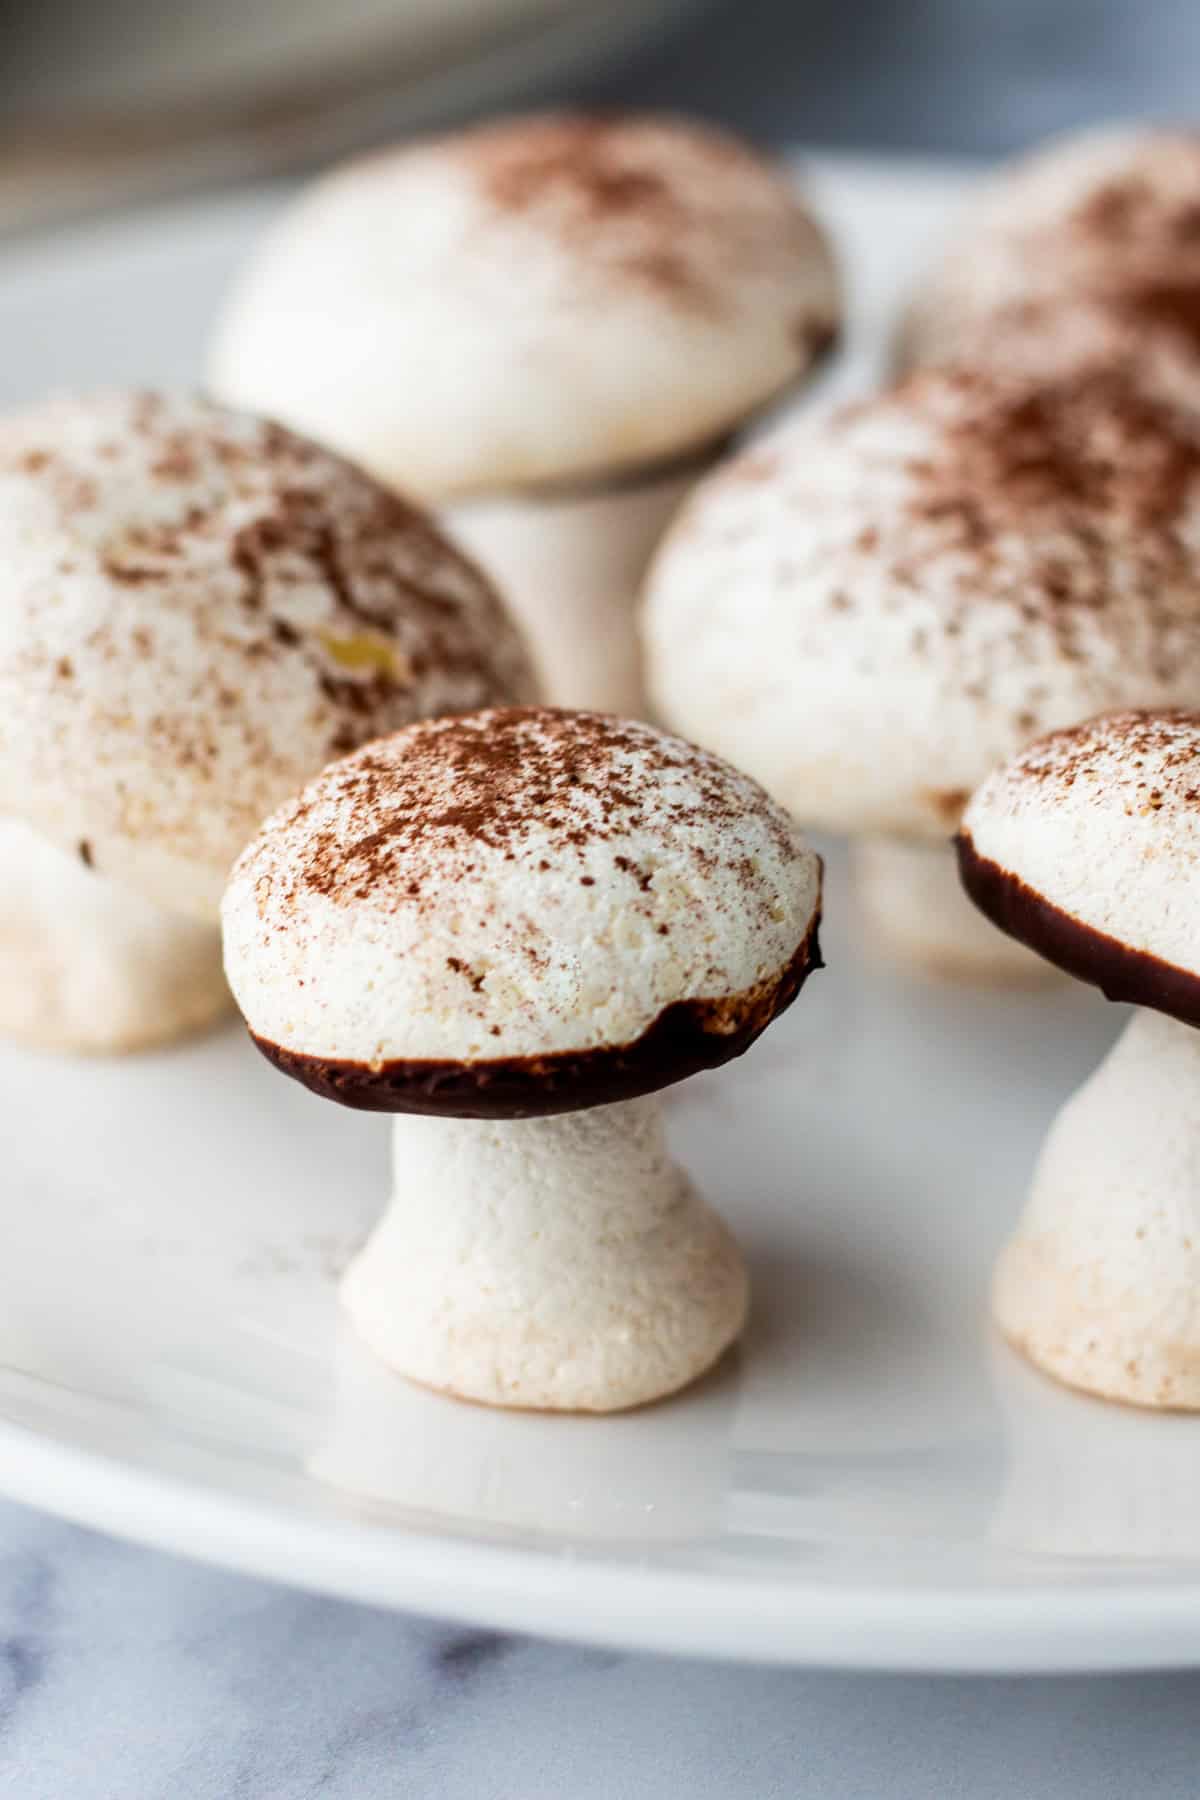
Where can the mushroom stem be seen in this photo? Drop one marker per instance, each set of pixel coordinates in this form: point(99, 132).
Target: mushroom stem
point(913, 910)
point(563, 1263)
point(570, 567)
point(1100, 1285)
point(86, 965)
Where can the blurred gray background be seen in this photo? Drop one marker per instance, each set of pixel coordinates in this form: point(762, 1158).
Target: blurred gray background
point(108, 102)
point(978, 76)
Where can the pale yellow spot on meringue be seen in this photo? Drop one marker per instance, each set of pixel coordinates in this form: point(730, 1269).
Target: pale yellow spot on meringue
point(366, 651)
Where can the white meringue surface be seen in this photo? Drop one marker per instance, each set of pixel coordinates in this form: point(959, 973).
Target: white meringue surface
point(1105, 216)
point(201, 609)
point(570, 567)
point(1104, 823)
point(873, 611)
point(1100, 1283)
point(563, 1264)
point(529, 301)
point(88, 966)
point(511, 885)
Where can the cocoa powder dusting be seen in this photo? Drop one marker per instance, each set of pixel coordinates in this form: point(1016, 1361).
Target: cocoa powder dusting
point(1158, 753)
point(1133, 211)
point(1089, 441)
point(694, 933)
point(209, 515)
point(1170, 307)
point(1106, 475)
point(565, 782)
point(1090, 263)
point(234, 607)
point(675, 210)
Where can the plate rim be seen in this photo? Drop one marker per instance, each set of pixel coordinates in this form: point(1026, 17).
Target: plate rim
point(1048, 1627)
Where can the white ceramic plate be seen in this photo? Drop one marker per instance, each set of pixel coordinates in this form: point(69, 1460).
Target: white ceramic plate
point(872, 1482)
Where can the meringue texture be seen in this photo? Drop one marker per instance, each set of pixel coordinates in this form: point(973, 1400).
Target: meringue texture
point(202, 609)
point(565, 1264)
point(515, 885)
point(532, 301)
point(1088, 247)
point(1100, 1284)
point(872, 613)
point(91, 967)
point(570, 566)
point(1086, 848)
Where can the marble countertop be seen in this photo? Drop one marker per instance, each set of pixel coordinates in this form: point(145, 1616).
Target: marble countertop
point(128, 1675)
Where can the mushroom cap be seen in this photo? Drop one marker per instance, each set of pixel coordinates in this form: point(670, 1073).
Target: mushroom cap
point(202, 609)
point(872, 612)
point(1110, 216)
point(1086, 847)
point(1158, 352)
point(540, 300)
point(521, 912)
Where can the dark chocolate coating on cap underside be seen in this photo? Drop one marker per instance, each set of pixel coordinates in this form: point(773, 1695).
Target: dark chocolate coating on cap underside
point(1120, 972)
point(680, 1042)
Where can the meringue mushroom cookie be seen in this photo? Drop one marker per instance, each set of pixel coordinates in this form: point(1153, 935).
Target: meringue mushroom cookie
point(872, 613)
point(88, 966)
point(1109, 217)
point(1087, 848)
point(544, 299)
point(202, 610)
point(520, 924)
point(516, 317)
